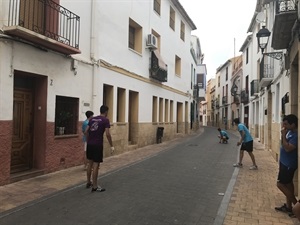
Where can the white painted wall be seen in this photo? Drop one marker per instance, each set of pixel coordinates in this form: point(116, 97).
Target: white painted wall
point(112, 33)
point(56, 67)
point(109, 43)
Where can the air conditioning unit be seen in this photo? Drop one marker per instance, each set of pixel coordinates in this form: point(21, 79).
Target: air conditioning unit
point(151, 41)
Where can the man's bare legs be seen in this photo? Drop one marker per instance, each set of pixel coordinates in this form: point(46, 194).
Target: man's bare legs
point(95, 174)
point(288, 191)
point(252, 158)
point(89, 173)
point(241, 156)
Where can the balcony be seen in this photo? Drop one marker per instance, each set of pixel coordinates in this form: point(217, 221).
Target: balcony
point(44, 23)
point(244, 97)
point(196, 92)
point(286, 15)
point(217, 104)
point(254, 88)
point(236, 99)
point(158, 68)
point(266, 74)
point(224, 100)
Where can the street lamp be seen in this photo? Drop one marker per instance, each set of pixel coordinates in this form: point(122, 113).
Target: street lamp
point(234, 89)
point(262, 38)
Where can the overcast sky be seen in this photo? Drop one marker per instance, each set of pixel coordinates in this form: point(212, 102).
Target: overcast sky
point(218, 23)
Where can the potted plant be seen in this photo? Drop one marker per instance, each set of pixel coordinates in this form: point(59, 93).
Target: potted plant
point(63, 117)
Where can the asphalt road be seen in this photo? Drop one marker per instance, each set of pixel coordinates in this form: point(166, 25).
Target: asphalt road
point(181, 185)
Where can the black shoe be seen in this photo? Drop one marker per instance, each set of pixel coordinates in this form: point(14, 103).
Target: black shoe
point(283, 208)
point(292, 215)
point(89, 184)
point(98, 189)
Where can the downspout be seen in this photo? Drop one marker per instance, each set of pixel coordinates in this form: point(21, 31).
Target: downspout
point(92, 56)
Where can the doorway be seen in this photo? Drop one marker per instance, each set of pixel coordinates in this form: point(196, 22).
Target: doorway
point(22, 132)
point(133, 113)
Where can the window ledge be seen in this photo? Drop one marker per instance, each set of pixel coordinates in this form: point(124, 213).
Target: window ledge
point(134, 51)
point(66, 136)
point(121, 123)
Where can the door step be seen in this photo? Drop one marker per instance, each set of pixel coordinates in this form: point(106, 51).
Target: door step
point(25, 175)
point(132, 147)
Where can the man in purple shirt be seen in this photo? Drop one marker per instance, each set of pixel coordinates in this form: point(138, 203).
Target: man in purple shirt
point(94, 152)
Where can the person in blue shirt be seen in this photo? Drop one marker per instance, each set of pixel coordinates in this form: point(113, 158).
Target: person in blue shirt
point(246, 142)
point(89, 115)
point(223, 136)
point(288, 164)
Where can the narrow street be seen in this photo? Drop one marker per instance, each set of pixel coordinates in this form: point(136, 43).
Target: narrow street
point(181, 185)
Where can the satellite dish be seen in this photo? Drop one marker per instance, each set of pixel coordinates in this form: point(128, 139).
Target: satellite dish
point(261, 17)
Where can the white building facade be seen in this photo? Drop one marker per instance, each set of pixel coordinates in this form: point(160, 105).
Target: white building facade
point(134, 57)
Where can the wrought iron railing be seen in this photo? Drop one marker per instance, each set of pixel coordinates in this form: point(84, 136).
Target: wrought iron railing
point(283, 6)
point(196, 92)
point(224, 99)
point(47, 18)
point(244, 96)
point(236, 99)
point(266, 71)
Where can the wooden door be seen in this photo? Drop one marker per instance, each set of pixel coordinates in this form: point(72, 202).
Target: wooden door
point(21, 152)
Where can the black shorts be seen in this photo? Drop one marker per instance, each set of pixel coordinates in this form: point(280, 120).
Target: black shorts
point(247, 146)
point(94, 153)
point(285, 174)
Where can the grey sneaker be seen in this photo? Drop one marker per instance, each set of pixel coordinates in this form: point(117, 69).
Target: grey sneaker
point(253, 167)
point(238, 165)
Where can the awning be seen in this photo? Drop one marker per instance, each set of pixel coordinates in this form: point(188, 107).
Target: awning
point(161, 64)
point(158, 68)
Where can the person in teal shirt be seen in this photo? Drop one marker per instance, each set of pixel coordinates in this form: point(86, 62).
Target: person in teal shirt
point(223, 136)
point(89, 115)
point(246, 142)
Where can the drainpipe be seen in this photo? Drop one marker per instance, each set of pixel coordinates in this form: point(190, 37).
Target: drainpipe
point(92, 55)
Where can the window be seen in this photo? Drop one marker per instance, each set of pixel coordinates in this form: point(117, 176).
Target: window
point(171, 111)
point(166, 110)
point(135, 36)
point(247, 55)
point(161, 109)
point(66, 115)
point(200, 80)
point(154, 109)
point(226, 78)
point(157, 38)
point(121, 105)
point(182, 31)
point(41, 17)
point(177, 66)
point(247, 83)
point(156, 6)
point(172, 18)
point(108, 97)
